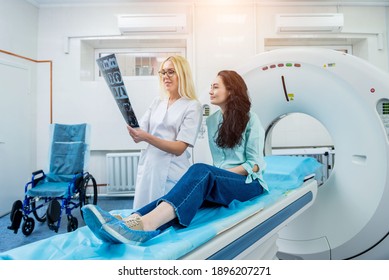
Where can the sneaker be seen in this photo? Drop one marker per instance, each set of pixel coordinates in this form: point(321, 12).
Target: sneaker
point(99, 215)
point(118, 216)
point(105, 237)
point(119, 230)
point(133, 222)
point(95, 218)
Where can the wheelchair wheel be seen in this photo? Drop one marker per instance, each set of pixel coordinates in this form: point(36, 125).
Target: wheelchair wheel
point(28, 226)
point(72, 224)
point(39, 214)
point(88, 194)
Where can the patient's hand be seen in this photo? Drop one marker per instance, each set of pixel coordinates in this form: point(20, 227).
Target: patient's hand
point(240, 170)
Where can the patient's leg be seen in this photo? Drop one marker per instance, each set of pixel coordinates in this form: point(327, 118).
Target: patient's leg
point(109, 229)
point(201, 183)
point(161, 215)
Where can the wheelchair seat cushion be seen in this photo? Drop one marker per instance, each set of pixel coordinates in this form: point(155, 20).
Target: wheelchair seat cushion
point(51, 189)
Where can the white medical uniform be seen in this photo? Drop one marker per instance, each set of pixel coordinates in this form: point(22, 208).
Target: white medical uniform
point(158, 171)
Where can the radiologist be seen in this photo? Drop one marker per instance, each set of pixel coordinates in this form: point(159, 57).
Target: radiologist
point(169, 127)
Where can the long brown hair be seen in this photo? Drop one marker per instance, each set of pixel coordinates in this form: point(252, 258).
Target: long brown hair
point(237, 110)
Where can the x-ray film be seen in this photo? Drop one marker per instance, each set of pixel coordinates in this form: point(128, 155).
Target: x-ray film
point(110, 70)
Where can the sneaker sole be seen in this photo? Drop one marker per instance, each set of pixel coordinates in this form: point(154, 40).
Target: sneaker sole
point(134, 236)
point(114, 235)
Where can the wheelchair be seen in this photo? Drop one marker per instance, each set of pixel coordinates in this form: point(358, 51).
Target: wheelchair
point(65, 187)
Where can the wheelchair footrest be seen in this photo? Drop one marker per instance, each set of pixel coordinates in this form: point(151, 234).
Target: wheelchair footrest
point(16, 216)
point(53, 227)
point(53, 214)
point(53, 211)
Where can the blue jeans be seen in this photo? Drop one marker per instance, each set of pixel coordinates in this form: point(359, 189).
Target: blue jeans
point(202, 185)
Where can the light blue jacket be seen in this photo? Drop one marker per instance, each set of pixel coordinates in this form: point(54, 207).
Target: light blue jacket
point(247, 154)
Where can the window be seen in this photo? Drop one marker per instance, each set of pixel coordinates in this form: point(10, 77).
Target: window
point(137, 57)
point(144, 62)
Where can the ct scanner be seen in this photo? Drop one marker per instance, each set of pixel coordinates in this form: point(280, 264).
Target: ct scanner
point(345, 218)
point(350, 97)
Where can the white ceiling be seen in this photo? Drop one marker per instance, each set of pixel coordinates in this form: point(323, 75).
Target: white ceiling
point(77, 2)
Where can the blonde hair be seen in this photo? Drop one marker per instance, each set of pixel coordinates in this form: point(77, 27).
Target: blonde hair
point(186, 86)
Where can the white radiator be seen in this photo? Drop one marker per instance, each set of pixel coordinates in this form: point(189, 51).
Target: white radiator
point(121, 173)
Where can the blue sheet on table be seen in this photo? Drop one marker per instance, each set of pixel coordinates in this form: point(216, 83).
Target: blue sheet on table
point(283, 174)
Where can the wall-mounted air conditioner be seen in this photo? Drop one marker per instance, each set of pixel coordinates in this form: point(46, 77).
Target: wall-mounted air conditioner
point(305, 23)
point(154, 23)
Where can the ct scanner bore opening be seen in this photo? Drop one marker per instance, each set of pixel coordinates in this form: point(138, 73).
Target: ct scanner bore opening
point(300, 134)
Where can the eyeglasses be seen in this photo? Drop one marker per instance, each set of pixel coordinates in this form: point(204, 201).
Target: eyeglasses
point(170, 73)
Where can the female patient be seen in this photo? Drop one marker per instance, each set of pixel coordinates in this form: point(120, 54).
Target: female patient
point(236, 143)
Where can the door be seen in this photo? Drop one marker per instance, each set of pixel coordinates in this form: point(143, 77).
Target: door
point(15, 133)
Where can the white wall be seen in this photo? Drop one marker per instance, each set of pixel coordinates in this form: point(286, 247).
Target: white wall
point(18, 28)
point(222, 36)
point(18, 35)
point(387, 31)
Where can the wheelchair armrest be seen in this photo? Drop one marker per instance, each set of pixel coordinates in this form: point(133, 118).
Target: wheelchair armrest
point(77, 178)
point(35, 180)
point(77, 175)
point(37, 172)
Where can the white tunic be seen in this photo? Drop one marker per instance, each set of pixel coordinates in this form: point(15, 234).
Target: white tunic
point(158, 171)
